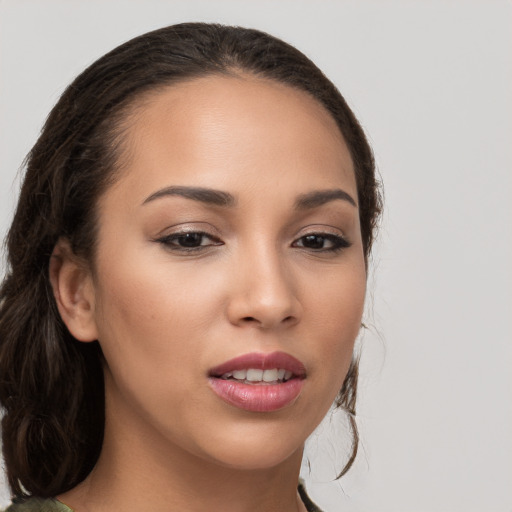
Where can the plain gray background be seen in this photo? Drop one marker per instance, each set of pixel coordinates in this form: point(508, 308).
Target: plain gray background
point(430, 82)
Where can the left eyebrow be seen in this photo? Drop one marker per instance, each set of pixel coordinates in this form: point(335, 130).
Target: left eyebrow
point(320, 197)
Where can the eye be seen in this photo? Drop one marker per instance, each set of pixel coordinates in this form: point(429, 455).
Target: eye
point(322, 242)
point(189, 241)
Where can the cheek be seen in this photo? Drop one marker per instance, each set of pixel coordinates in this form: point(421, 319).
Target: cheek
point(336, 298)
point(336, 312)
point(152, 314)
point(148, 331)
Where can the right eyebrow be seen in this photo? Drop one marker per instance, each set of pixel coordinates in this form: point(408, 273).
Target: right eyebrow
point(204, 195)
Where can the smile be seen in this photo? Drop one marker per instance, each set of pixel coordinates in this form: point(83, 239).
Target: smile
point(259, 382)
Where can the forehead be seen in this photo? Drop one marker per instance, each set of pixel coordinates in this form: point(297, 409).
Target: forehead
point(242, 128)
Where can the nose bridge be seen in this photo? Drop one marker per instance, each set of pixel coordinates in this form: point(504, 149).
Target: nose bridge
point(265, 292)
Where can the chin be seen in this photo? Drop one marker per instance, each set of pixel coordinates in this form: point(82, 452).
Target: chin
point(257, 446)
point(256, 458)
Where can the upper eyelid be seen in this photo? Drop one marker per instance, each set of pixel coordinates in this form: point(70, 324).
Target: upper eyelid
point(177, 234)
point(170, 242)
point(204, 232)
point(188, 227)
point(320, 229)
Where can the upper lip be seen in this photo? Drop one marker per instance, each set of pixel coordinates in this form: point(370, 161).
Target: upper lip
point(261, 361)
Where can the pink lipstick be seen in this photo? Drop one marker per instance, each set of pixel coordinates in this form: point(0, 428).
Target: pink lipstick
point(259, 382)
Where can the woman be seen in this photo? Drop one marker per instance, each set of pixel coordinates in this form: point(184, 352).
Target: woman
point(187, 269)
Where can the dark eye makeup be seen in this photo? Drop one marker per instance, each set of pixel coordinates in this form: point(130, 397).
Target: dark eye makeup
point(189, 241)
point(322, 242)
point(194, 241)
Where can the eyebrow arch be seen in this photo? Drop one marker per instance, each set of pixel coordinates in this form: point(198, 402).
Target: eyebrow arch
point(204, 195)
point(320, 197)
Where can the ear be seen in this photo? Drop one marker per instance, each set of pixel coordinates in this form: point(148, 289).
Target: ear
point(73, 289)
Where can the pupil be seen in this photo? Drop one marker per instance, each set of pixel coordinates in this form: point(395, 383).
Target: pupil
point(314, 241)
point(190, 240)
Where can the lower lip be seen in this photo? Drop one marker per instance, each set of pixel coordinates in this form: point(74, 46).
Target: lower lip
point(257, 397)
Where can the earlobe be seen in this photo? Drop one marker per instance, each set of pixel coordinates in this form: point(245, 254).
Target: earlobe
point(73, 290)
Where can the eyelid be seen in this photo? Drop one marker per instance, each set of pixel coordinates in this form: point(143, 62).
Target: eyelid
point(169, 237)
point(338, 242)
point(170, 243)
point(318, 229)
point(188, 227)
point(177, 234)
point(331, 235)
point(334, 235)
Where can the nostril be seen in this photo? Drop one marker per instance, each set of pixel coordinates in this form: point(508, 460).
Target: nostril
point(251, 319)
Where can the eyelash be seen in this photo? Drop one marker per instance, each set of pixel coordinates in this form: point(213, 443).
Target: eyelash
point(338, 243)
point(169, 240)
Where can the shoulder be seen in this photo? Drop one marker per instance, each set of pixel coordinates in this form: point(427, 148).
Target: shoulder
point(38, 505)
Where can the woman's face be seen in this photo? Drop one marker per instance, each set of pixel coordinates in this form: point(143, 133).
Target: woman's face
point(230, 242)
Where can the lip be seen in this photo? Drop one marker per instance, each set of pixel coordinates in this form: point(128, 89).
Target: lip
point(259, 397)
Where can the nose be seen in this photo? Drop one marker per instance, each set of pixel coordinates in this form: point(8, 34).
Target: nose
point(264, 294)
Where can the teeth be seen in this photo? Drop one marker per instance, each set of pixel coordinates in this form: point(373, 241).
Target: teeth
point(256, 375)
point(270, 375)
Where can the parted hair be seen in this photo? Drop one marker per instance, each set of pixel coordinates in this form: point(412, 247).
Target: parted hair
point(51, 385)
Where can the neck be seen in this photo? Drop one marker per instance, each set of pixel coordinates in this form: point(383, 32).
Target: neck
point(140, 470)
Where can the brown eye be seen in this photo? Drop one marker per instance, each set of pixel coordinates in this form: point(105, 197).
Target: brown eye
point(313, 242)
point(189, 241)
point(322, 242)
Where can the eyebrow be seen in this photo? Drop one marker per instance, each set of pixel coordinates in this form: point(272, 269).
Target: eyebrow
point(204, 195)
point(225, 199)
point(320, 197)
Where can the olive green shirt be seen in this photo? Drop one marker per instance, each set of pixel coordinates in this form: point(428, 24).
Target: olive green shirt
point(38, 505)
point(52, 505)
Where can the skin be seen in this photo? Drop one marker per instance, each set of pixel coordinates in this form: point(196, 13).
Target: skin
point(164, 316)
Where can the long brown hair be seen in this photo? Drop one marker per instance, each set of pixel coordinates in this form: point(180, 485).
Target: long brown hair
point(51, 385)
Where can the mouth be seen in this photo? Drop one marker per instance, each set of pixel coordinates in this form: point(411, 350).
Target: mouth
point(259, 382)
